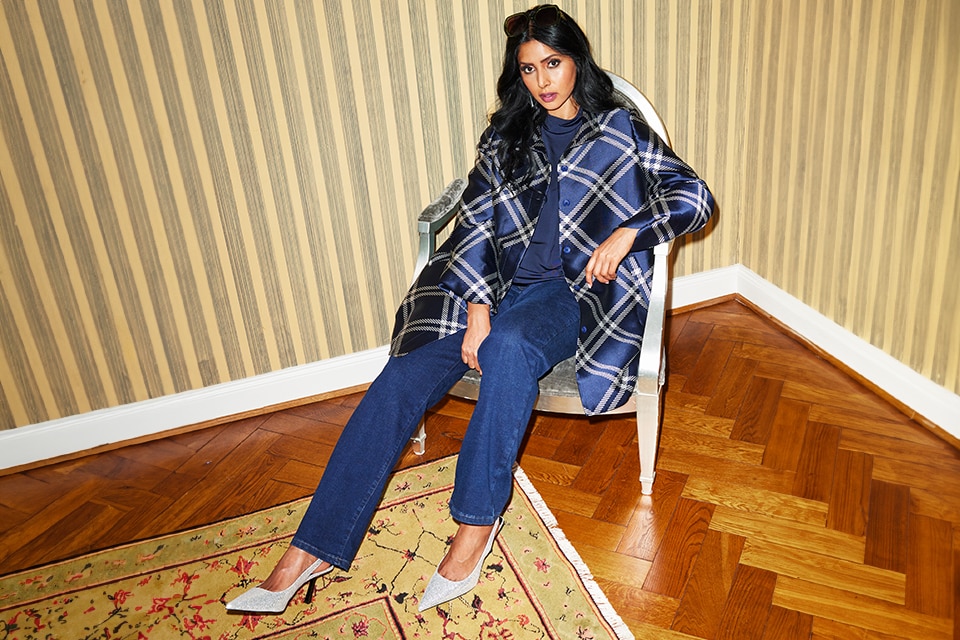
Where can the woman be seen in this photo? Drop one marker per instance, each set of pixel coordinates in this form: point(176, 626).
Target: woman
point(550, 257)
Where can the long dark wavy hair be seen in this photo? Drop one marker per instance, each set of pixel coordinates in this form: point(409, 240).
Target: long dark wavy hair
point(518, 117)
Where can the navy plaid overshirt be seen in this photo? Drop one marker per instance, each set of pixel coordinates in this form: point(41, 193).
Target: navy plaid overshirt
point(616, 173)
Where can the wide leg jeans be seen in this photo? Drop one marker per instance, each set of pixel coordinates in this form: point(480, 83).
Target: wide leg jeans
point(535, 328)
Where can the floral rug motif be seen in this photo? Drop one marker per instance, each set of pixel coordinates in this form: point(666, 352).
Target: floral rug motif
point(533, 584)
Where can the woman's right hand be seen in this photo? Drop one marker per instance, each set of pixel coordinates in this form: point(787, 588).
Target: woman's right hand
point(478, 328)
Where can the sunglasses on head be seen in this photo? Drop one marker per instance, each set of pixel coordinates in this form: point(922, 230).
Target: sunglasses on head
point(546, 15)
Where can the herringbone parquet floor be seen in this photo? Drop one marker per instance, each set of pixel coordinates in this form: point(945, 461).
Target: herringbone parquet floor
point(790, 502)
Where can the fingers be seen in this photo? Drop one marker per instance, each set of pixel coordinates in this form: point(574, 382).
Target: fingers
point(470, 358)
point(605, 260)
point(478, 328)
point(470, 349)
point(601, 269)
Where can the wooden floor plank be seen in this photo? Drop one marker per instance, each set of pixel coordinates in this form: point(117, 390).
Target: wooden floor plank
point(747, 498)
point(563, 498)
point(724, 470)
point(727, 396)
point(939, 457)
point(20, 549)
point(823, 569)
point(746, 611)
point(687, 348)
point(617, 504)
point(817, 463)
point(859, 611)
point(886, 538)
point(784, 624)
point(833, 630)
point(768, 529)
point(840, 398)
point(675, 398)
point(614, 444)
point(224, 443)
point(850, 495)
point(650, 518)
point(956, 583)
point(641, 606)
point(758, 411)
point(674, 561)
point(703, 379)
point(24, 493)
point(602, 535)
point(705, 595)
point(614, 567)
point(929, 579)
point(787, 433)
point(714, 446)
point(578, 442)
point(730, 313)
point(916, 474)
point(697, 422)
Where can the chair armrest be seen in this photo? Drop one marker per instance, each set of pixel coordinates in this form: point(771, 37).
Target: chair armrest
point(433, 218)
point(651, 349)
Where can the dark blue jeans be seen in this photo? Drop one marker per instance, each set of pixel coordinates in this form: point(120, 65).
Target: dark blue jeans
point(534, 329)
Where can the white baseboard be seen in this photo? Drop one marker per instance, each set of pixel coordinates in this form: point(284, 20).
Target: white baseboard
point(701, 287)
point(65, 436)
point(74, 434)
point(927, 398)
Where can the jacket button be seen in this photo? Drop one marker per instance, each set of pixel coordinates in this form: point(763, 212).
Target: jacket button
point(566, 203)
point(583, 329)
point(566, 249)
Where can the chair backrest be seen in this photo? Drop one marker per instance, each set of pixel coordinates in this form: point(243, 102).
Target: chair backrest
point(634, 96)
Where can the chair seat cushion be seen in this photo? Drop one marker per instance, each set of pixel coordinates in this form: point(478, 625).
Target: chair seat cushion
point(561, 381)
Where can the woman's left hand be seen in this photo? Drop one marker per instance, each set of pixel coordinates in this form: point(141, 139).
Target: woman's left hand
point(478, 328)
point(608, 256)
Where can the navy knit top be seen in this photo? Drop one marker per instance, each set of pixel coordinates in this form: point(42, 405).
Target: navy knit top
point(542, 258)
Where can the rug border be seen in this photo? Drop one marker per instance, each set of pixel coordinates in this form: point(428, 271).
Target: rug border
point(567, 549)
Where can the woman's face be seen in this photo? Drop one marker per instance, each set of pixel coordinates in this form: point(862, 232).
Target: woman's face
point(549, 77)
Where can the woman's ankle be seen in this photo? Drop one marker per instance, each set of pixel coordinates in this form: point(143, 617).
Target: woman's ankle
point(291, 565)
point(464, 552)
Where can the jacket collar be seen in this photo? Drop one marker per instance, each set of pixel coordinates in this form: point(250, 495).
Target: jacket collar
point(589, 129)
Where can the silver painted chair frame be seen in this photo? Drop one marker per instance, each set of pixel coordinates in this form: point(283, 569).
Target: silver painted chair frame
point(558, 389)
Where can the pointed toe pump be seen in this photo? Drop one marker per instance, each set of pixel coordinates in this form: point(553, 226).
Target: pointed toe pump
point(440, 590)
point(259, 600)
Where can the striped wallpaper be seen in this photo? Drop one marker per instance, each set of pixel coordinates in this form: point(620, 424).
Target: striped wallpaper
point(193, 192)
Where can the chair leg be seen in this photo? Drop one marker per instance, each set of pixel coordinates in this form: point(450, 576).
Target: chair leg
point(420, 440)
point(648, 433)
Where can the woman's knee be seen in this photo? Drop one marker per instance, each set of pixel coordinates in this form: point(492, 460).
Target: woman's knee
point(509, 349)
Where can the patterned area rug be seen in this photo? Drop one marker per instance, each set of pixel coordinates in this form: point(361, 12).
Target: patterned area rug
point(533, 584)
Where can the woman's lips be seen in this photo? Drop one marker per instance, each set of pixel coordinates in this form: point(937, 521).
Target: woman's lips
point(548, 97)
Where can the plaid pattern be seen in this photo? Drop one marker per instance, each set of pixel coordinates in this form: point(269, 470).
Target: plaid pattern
point(617, 172)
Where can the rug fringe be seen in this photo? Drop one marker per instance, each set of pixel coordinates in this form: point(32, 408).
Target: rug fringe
point(566, 548)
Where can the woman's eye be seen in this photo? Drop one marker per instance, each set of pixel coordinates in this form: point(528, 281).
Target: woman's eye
point(526, 69)
point(553, 63)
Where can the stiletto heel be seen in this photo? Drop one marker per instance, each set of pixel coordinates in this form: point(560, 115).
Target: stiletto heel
point(259, 600)
point(311, 588)
point(440, 590)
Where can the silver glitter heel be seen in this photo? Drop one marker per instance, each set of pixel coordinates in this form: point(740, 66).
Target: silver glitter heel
point(259, 600)
point(440, 590)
